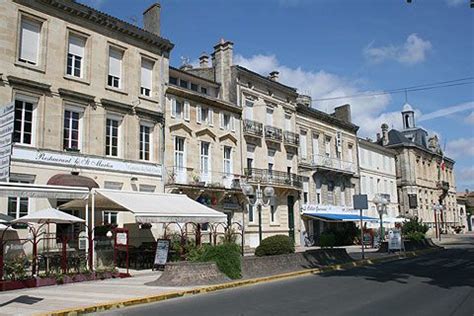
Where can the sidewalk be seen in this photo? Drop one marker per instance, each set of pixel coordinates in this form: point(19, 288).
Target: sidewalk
point(52, 298)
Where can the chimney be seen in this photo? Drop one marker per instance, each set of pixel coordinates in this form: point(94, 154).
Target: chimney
point(343, 112)
point(222, 59)
point(378, 137)
point(304, 100)
point(151, 19)
point(274, 75)
point(384, 134)
point(204, 60)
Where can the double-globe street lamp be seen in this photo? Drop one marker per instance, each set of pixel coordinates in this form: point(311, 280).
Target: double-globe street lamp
point(381, 204)
point(259, 198)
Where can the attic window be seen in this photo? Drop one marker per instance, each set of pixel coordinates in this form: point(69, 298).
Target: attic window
point(204, 90)
point(174, 80)
point(194, 87)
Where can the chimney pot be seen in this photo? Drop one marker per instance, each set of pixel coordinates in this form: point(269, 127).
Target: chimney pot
point(204, 60)
point(151, 19)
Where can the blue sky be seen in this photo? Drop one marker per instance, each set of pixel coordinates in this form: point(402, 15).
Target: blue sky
point(332, 48)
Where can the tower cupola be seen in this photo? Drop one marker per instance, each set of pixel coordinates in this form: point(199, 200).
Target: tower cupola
point(408, 116)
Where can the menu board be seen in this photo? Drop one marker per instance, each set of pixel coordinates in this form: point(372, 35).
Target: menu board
point(162, 250)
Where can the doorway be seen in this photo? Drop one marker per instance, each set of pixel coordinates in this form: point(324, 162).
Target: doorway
point(291, 217)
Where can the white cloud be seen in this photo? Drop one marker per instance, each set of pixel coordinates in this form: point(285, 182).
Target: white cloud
point(447, 111)
point(413, 51)
point(469, 119)
point(367, 112)
point(455, 3)
point(465, 178)
point(461, 147)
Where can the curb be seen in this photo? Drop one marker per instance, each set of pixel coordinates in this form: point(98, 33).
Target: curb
point(212, 288)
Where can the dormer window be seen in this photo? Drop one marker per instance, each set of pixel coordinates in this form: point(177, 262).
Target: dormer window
point(183, 83)
point(194, 87)
point(174, 81)
point(204, 90)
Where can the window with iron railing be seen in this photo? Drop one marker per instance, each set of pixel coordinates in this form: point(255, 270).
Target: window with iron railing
point(273, 133)
point(253, 127)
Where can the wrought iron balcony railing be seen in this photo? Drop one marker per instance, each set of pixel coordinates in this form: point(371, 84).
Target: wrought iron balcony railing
point(209, 179)
point(270, 177)
point(253, 128)
point(273, 133)
point(291, 139)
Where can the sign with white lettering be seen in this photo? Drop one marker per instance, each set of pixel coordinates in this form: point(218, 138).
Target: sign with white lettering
point(7, 121)
point(162, 249)
point(121, 239)
point(394, 239)
point(83, 161)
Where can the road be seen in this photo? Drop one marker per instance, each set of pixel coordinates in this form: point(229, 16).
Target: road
point(441, 283)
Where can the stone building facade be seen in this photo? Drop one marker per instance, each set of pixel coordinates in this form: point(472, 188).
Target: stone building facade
point(88, 91)
point(328, 158)
point(424, 175)
point(202, 144)
point(378, 177)
point(268, 140)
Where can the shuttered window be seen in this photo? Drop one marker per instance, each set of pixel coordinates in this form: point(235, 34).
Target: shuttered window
point(115, 68)
point(30, 41)
point(146, 77)
point(75, 56)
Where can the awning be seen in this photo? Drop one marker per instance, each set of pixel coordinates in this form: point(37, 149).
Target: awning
point(42, 191)
point(49, 215)
point(339, 217)
point(151, 207)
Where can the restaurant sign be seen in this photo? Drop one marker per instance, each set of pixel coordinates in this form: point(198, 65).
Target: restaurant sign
point(83, 161)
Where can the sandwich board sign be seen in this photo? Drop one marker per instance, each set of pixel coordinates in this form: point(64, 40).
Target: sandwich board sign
point(395, 240)
point(7, 123)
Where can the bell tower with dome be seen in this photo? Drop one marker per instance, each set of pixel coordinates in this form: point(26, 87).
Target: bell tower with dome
point(408, 116)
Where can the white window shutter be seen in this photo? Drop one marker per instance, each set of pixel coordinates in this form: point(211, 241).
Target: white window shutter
point(30, 40)
point(211, 117)
point(173, 107)
point(221, 120)
point(232, 123)
point(198, 114)
point(76, 45)
point(186, 110)
point(115, 62)
point(146, 73)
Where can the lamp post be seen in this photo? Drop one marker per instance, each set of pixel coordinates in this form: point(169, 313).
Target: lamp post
point(437, 211)
point(381, 204)
point(257, 199)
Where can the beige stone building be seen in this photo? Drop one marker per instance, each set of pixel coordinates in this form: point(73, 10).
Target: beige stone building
point(202, 142)
point(424, 175)
point(268, 140)
point(328, 157)
point(88, 91)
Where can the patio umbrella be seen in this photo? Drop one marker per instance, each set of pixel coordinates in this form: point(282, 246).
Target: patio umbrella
point(4, 218)
point(49, 215)
point(4, 227)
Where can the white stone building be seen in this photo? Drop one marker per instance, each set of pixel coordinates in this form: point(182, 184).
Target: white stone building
point(378, 176)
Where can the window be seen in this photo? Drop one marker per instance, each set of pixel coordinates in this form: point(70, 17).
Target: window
point(75, 56)
point(18, 206)
point(146, 77)
point(328, 146)
point(113, 185)
point(30, 41)
point(343, 194)
point(303, 149)
point(194, 87)
point(270, 170)
point(111, 137)
point(145, 142)
point(147, 188)
point(204, 115)
point(249, 110)
point(115, 68)
point(71, 130)
point(205, 162)
point(272, 211)
point(109, 218)
point(288, 126)
point(330, 193)
point(227, 160)
point(174, 80)
point(183, 83)
point(269, 116)
point(23, 122)
point(204, 90)
point(350, 158)
point(315, 147)
point(251, 215)
point(226, 121)
point(179, 155)
point(180, 109)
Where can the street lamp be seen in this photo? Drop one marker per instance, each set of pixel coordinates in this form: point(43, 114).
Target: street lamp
point(259, 198)
point(381, 204)
point(437, 208)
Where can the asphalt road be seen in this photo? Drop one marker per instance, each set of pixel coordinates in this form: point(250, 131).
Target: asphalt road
point(437, 284)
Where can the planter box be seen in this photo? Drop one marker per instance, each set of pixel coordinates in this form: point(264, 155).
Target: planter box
point(45, 281)
point(12, 285)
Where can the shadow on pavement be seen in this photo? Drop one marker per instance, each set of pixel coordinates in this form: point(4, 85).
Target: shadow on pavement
point(23, 299)
point(446, 269)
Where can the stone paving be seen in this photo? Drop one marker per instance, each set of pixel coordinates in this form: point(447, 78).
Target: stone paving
point(51, 298)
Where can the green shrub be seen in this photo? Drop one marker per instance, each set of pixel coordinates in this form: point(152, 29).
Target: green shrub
point(414, 229)
point(275, 245)
point(226, 256)
point(327, 240)
point(415, 236)
point(16, 268)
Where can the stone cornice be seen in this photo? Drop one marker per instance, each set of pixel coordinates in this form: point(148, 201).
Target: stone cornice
point(13, 80)
point(77, 95)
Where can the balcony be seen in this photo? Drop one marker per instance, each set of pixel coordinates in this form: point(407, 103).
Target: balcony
point(291, 139)
point(272, 177)
point(176, 176)
point(329, 164)
point(273, 134)
point(253, 128)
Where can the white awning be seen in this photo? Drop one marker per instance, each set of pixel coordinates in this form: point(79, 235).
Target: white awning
point(152, 207)
point(42, 191)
